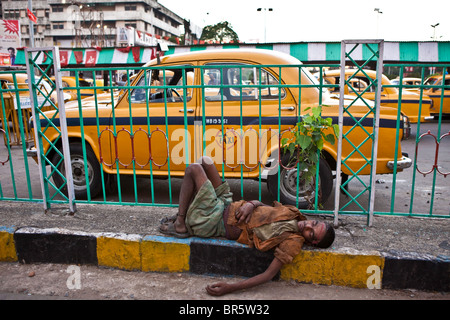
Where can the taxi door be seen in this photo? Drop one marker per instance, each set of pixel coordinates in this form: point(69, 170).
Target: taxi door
point(436, 94)
point(239, 115)
point(154, 123)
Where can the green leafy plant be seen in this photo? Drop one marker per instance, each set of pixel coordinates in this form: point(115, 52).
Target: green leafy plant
point(306, 143)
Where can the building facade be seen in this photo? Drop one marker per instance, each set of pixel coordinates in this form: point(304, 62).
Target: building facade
point(95, 23)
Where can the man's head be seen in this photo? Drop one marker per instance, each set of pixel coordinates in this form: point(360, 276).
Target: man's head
point(317, 233)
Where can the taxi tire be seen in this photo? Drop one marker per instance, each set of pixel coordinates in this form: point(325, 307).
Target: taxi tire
point(76, 154)
point(326, 184)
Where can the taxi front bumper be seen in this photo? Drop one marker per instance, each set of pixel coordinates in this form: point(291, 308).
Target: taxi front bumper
point(404, 163)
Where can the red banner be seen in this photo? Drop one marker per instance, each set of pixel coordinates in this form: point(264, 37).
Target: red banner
point(31, 16)
point(136, 53)
point(91, 58)
point(64, 58)
point(78, 56)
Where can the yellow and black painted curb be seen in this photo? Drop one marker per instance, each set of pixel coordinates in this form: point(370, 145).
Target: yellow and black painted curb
point(345, 267)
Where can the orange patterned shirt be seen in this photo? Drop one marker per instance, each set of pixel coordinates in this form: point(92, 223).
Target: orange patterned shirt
point(287, 245)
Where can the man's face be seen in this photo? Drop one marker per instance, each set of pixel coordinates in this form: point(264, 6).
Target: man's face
point(312, 230)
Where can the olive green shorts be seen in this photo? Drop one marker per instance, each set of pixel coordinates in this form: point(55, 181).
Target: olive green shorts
point(205, 214)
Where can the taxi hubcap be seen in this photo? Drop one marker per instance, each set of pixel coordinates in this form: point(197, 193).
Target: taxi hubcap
point(78, 172)
point(289, 184)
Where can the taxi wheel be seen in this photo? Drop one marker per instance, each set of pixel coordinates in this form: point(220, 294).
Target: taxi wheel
point(79, 171)
point(288, 185)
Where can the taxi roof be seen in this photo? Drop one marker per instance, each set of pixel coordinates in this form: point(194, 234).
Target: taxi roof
point(260, 56)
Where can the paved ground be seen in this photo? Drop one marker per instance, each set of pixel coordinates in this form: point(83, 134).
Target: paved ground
point(49, 281)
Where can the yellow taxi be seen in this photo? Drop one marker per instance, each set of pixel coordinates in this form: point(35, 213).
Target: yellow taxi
point(440, 97)
point(409, 101)
point(85, 86)
point(234, 106)
point(410, 81)
point(7, 82)
point(18, 83)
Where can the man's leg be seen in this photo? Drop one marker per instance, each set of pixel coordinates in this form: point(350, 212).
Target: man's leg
point(211, 171)
point(195, 176)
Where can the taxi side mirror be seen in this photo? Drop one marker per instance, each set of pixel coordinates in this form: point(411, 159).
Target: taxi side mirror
point(160, 47)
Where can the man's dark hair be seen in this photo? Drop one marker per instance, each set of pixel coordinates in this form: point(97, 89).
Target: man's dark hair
point(328, 239)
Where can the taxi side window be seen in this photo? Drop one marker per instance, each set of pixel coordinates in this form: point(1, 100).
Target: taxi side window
point(439, 83)
point(239, 83)
point(447, 83)
point(168, 85)
point(360, 84)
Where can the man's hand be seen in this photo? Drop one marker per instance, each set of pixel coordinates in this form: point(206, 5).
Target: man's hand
point(219, 289)
point(244, 213)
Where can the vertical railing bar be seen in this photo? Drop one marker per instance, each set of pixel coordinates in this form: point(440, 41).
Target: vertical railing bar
point(339, 146)
point(317, 178)
point(258, 90)
point(83, 138)
point(242, 160)
point(438, 138)
point(376, 130)
point(8, 146)
point(223, 131)
point(417, 141)
point(116, 160)
point(97, 122)
point(397, 143)
point(64, 133)
point(279, 129)
point(147, 73)
point(22, 138)
point(297, 187)
point(133, 160)
point(203, 119)
point(169, 179)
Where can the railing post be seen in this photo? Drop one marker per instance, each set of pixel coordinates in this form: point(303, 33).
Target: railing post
point(347, 56)
point(32, 57)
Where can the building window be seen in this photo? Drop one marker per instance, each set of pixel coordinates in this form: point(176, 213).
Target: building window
point(130, 7)
point(57, 9)
point(12, 14)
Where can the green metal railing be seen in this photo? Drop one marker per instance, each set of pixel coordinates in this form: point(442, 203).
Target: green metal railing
point(14, 114)
point(101, 130)
point(437, 132)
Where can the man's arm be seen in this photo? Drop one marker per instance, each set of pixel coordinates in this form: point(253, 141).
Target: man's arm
point(245, 211)
point(221, 288)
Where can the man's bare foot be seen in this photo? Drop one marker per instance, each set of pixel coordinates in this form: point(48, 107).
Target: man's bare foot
point(171, 230)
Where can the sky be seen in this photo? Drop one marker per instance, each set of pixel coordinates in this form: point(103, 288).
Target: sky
point(321, 20)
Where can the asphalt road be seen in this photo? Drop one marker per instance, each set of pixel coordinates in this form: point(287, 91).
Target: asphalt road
point(57, 281)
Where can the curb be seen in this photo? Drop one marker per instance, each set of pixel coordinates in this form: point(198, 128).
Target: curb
point(344, 267)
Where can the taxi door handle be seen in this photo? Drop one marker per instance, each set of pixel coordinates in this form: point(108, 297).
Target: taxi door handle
point(187, 110)
point(287, 108)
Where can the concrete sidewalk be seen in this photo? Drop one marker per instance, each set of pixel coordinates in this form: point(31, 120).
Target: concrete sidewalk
point(397, 252)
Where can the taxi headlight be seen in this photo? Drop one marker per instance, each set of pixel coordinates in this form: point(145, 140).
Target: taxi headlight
point(406, 127)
